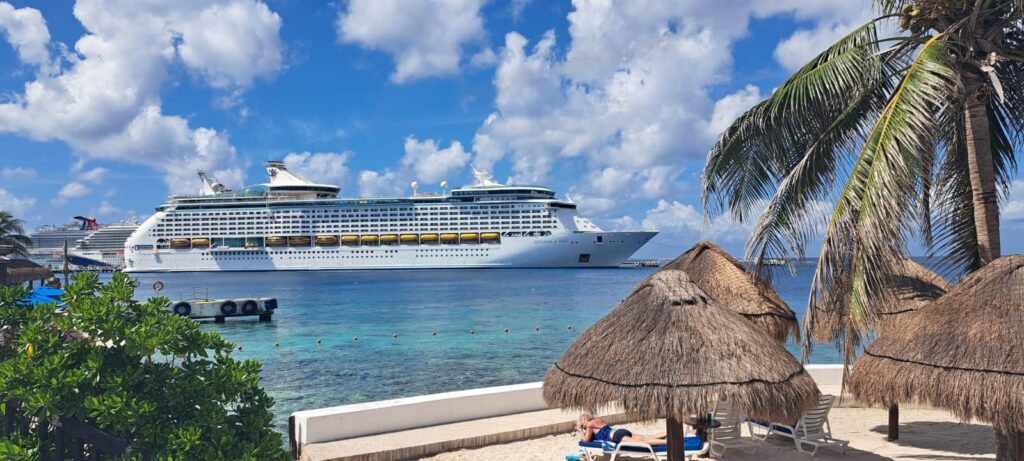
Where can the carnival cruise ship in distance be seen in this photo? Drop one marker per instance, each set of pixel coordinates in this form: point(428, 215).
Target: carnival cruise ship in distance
point(293, 224)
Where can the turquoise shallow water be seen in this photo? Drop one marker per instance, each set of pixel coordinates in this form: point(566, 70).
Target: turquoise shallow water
point(374, 305)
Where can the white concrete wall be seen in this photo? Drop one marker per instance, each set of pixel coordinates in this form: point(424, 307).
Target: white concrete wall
point(349, 421)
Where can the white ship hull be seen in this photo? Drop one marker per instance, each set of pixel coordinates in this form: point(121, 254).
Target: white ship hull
point(573, 250)
point(292, 224)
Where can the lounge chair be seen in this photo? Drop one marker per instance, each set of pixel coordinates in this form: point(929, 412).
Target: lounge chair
point(812, 429)
point(692, 447)
point(730, 434)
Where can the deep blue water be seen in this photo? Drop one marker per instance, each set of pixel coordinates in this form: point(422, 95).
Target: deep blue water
point(374, 305)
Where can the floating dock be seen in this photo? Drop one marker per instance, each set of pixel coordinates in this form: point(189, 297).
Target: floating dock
point(220, 309)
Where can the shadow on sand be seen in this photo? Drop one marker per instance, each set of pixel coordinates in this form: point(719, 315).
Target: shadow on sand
point(946, 436)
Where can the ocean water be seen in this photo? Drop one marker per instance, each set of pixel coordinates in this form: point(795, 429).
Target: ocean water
point(544, 311)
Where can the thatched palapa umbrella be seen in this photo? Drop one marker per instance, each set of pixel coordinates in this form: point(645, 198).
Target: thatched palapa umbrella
point(912, 287)
point(734, 286)
point(671, 351)
point(964, 353)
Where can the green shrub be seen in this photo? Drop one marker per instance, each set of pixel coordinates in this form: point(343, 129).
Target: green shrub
point(137, 371)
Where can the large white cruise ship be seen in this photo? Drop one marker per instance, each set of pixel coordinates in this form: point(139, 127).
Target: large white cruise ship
point(293, 224)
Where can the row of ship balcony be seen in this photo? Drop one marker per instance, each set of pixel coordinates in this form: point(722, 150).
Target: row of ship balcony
point(334, 240)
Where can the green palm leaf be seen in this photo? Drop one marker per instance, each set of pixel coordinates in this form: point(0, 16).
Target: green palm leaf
point(867, 233)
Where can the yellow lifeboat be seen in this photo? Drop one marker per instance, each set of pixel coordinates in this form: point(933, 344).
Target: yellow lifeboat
point(449, 237)
point(252, 245)
point(326, 240)
point(200, 242)
point(490, 236)
point(410, 238)
point(428, 237)
point(349, 239)
point(181, 243)
point(388, 239)
point(298, 241)
point(276, 241)
point(469, 237)
point(368, 239)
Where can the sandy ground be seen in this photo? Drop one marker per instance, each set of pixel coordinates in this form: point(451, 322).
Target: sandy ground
point(924, 435)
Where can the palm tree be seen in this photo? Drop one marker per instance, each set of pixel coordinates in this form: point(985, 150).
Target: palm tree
point(12, 232)
point(910, 135)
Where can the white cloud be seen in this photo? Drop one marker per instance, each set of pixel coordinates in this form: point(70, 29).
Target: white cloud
point(25, 29)
point(106, 209)
point(684, 224)
point(320, 167)
point(627, 103)
point(832, 19)
point(1013, 208)
point(17, 173)
point(94, 175)
point(210, 43)
point(105, 104)
point(424, 162)
point(732, 106)
point(14, 204)
point(426, 38)
point(70, 191)
point(429, 163)
point(374, 184)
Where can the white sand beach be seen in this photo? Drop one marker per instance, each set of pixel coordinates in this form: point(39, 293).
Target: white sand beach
point(924, 435)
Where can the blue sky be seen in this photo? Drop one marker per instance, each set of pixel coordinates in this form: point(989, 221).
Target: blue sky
point(107, 106)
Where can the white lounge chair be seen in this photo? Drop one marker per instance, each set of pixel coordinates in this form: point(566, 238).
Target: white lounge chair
point(812, 429)
point(730, 434)
point(591, 450)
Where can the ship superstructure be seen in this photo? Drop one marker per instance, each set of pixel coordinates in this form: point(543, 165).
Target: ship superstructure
point(290, 223)
point(89, 244)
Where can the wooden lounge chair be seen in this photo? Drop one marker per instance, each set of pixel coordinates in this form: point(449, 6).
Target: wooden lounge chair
point(812, 429)
point(730, 434)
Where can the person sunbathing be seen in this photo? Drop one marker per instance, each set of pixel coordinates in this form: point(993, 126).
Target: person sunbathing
point(594, 429)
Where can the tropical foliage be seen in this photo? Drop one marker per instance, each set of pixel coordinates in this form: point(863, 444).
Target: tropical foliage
point(12, 232)
point(137, 371)
point(910, 133)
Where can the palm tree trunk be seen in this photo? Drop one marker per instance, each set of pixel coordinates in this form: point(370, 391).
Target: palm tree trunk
point(1009, 446)
point(983, 178)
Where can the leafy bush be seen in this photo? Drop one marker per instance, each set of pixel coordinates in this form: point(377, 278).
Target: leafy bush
point(137, 371)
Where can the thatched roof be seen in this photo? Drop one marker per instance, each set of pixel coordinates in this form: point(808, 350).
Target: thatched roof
point(913, 287)
point(964, 352)
point(18, 271)
point(730, 282)
point(669, 349)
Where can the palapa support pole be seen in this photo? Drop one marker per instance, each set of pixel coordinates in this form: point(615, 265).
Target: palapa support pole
point(676, 439)
point(1019, 435)
point(894, 423)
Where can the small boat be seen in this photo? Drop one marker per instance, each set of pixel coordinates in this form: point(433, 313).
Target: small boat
point(391, 238)
point(298, 241)
point(276, 241)
point(428, 237)
point(326, 240)
point(349, 239)
point(410, 238)
point(200, 242)
point(449, 237)
point(490, 236)
point(469, 237)
point(181, 243)
point(252, 245)
point(368, 239)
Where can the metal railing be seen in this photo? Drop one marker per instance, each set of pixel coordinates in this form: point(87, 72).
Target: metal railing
point(63, 439)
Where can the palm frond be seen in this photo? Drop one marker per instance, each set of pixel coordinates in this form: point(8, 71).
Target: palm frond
point(750, 157)
point(868, 231)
